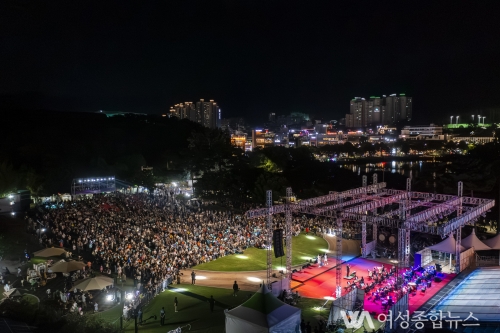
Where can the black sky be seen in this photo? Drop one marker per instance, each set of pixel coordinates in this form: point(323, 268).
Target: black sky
point(252, 57)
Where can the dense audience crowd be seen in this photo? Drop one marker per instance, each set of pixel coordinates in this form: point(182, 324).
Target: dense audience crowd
point(150, 237)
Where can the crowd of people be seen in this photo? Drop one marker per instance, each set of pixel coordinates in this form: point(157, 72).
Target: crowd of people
point(150, 237)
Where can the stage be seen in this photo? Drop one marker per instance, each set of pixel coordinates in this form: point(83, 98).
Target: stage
point(320, 283)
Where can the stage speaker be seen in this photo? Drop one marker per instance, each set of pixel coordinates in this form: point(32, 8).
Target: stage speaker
point(437, 279)
point(278, 243)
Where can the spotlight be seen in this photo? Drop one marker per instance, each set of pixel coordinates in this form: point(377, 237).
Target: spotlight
point(254, 279)
point(200, 277)
point(110, 297)
point(129, 296)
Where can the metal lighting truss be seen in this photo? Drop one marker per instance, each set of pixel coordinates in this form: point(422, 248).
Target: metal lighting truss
point(361, 204)
point(288, 233)
point(269, 237)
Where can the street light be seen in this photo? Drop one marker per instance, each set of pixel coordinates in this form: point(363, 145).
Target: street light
point(457, 119)
point(472, 118)
point(451, 120)
point(479, 118)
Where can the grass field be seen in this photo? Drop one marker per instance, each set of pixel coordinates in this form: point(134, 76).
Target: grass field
point(253, 259)
point(194, 310)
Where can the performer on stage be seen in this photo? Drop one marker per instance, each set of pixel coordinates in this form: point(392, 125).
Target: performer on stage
point(348, 268)
point(325, 260)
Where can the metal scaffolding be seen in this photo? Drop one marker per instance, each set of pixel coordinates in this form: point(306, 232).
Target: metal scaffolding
point(288, 233)
point(416, 211)
point(269, 238)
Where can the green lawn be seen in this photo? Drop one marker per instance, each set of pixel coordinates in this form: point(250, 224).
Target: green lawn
point(194, 310)
point(253, 259)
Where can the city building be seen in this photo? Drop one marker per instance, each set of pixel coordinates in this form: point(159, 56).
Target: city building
point(263, 138)
point(385, 110)
point(239, 140)
point(474, 139)
point(431, 132)
point(184, 110)
point(207, 114)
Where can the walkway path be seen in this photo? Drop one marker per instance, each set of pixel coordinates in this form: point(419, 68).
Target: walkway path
point(250, 280)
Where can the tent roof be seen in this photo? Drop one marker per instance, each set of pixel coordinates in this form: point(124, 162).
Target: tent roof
point(493, 243)
point(447, 246)
point(473, 241)
point(263, 309)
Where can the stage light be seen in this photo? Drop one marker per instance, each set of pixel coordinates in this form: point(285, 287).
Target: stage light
point(306, 258)
point(12, 213)
point(178, 290)
point(110, 297)
point(254, 279)
point(201, 277)
point(129, 296)
point(241, 256)
point(330, 298)
point(310, 237)
point(43, 230)
point(188, 195)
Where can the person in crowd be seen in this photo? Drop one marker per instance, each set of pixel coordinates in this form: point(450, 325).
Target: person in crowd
point(162, 316)
point(211, 302)
point(235, 289)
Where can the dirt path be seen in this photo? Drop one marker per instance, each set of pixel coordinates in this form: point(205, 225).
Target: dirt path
point(250, 280)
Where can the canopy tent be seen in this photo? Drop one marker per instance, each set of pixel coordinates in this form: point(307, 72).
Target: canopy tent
point(67, 266)
point(95, 283)
point(493, 243)
point(446, 246)
point(50, 252)
point(473, 241)
point(263, 313)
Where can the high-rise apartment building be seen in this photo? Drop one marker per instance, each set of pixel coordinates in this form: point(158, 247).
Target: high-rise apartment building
point(207, 114)
point(379, 111)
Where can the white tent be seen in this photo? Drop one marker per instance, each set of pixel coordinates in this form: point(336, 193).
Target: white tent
point(493, 243)
point(473, 241)
point(95, 283)
point(446, 246)
point(263, 313)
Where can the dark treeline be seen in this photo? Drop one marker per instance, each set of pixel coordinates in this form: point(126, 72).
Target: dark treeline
point(43, 151)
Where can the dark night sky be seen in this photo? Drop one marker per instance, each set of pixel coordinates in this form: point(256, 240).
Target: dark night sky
point(252, 57)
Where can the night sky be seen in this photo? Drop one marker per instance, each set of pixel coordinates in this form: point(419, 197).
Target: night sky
point(252, 57)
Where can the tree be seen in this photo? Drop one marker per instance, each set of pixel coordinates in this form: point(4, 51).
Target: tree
point(463, 146)
point(34, 183)
point(348, 148)
point(9, 179)
point(269, 181)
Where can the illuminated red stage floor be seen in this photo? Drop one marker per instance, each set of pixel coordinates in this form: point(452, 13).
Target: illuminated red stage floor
point(323, 285)
point(313, 270)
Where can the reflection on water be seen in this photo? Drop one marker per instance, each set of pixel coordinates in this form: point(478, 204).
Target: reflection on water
point(405, 168)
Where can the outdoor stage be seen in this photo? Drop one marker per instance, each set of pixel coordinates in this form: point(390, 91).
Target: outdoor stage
point(322, 284)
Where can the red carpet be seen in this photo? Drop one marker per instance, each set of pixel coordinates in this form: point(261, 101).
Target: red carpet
point(323, 285)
